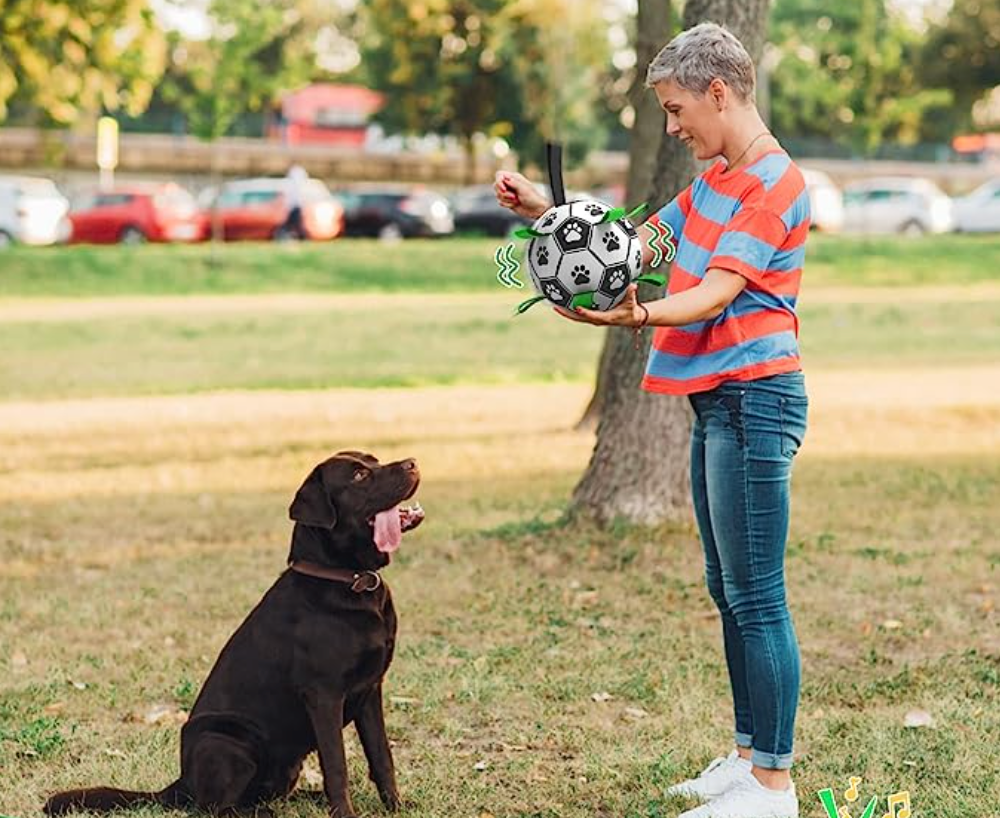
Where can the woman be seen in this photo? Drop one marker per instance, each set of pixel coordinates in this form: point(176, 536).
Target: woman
point(726, 336)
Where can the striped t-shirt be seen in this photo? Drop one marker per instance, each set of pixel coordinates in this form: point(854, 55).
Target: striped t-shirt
point(752, 222)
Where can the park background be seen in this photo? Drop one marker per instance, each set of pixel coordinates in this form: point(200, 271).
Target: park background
point(161, 403)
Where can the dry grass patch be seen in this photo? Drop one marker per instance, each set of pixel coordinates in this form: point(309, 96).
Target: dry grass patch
point(136, 533)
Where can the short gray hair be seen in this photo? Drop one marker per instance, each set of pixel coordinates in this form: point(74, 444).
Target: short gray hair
point(701, 54)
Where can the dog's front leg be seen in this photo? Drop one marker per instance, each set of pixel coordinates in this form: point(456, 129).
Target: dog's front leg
point(370, 723)
point(326, 712)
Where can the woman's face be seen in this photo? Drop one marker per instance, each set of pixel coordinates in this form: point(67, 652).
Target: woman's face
point(694, 119)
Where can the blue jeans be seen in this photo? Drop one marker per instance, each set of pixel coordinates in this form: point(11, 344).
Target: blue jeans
point(744, 438)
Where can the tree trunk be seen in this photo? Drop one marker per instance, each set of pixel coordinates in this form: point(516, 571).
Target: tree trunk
point(639, 468)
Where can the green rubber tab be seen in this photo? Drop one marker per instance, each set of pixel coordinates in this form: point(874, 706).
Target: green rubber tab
point(635, 211)
point(585, 300)
point(613, 215)
point(524, 306)
point(652, 278)
point(528, 233)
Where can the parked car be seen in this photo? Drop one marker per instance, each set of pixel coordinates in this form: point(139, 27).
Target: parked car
point(826, 202)
point(393, 214)
point(896, 205)
point(979, 211)
point(133, 214)
point(258, 209)
point(32, 211)
point(478, 211)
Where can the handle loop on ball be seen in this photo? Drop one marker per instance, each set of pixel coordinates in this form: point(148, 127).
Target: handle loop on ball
point(553, 155)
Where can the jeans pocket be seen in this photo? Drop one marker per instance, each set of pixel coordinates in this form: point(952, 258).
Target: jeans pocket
point(793, 413)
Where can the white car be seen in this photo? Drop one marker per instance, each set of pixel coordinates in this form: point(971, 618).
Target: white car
point(826, 202)
point(912, 206)
point(980, 210)
point(32, 211)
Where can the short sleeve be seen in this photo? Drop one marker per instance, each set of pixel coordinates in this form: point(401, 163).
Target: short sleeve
point(750, 241)
point(674, 214)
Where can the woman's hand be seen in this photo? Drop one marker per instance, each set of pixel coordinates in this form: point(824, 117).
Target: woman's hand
point(629, 313)
point(516, 193)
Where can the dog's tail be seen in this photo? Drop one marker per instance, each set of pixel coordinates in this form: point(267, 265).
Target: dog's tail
point(106, 799)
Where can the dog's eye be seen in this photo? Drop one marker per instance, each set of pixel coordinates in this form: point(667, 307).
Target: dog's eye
point(359, 476)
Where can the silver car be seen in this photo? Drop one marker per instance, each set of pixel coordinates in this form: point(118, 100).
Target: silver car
point(32, 211)
point(890, 204)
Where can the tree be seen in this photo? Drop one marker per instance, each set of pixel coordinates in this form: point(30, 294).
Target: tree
point(848, 73)
point(962, 53)
point(639, 468)
point(462, 67)
point(256, 50)
point(71, 59)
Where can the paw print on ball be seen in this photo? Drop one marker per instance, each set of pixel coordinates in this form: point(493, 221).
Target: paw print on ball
point(580, 275)
point(573, 234)
point(596, 210)
point(614, 280)
point(549, 219)
point(611, 241)
point(542, 256)
point(555, 292)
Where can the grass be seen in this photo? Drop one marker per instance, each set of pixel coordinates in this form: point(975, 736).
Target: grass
point(451, 265)
point(411, 340)
point(543, 669)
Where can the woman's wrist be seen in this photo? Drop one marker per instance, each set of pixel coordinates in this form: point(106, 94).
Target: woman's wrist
point(643, 319)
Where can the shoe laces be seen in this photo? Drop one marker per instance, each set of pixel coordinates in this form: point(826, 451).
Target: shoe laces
point(720, 762)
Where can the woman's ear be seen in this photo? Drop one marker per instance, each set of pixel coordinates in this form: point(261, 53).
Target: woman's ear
point(312, 504)
point(719, 92)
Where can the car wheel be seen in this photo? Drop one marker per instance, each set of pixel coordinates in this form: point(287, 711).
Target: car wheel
point(131, 235)
point(390, 232)
point(284, 234)
point(912, 228)
point(6, 239)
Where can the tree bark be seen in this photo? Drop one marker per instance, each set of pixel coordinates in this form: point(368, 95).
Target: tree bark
point(639, 469)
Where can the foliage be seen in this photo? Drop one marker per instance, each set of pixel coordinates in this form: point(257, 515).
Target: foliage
point(458, 67)
point(71, 59)
point(256, 50)
point(962, 53)
point(848, 72)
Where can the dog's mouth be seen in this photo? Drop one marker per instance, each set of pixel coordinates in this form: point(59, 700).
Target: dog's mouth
point(389, 526)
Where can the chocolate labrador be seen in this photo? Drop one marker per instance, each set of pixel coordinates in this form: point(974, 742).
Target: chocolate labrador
point(306, 662)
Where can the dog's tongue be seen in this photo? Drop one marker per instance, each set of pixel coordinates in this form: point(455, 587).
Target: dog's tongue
point(388, 530)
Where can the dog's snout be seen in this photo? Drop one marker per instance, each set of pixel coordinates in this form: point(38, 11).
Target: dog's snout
point(409, 464)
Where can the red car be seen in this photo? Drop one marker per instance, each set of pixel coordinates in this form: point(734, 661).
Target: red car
point(132, 214)
point(259, 208)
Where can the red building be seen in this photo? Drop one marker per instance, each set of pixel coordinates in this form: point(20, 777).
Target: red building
point(326, 114)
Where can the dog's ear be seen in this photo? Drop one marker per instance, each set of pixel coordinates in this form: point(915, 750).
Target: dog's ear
point(312, 505)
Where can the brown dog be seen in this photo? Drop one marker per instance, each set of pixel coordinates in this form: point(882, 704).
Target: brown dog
point(306, 662)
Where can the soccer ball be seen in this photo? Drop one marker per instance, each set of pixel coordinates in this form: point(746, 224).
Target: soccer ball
point(580, 260)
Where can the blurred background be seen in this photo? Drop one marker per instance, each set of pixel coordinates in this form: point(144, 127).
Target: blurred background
point(395, 115)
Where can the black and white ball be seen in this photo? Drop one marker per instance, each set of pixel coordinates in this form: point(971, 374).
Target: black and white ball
point(580, 260)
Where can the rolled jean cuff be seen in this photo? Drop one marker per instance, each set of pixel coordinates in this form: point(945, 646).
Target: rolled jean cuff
point(744, 740)
point(770, 761)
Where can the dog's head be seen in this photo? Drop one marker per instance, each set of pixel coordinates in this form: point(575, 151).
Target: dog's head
point(350, 505)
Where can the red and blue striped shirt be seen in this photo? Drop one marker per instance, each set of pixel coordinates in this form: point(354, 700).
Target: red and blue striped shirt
point(752, 222)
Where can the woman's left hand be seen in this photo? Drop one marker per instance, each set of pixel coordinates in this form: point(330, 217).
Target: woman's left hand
point(627, 314)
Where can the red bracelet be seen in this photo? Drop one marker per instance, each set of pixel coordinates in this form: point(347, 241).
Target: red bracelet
point(637, 329)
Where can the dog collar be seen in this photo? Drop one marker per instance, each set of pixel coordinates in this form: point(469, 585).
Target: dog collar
point(360, 581)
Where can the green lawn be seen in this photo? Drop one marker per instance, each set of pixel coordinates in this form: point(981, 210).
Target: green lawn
point(415, 340)
point(544, 669)
point(449, 265)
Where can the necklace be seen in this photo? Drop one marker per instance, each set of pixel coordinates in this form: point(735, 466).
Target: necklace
point(750, 145)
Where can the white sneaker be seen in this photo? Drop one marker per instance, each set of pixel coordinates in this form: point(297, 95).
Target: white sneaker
point(749, 799)
point(717, 778)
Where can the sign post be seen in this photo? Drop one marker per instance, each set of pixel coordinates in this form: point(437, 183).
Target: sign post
point(107, 150)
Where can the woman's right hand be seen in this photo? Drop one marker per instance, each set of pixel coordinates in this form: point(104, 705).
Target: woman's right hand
point(516, 193)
